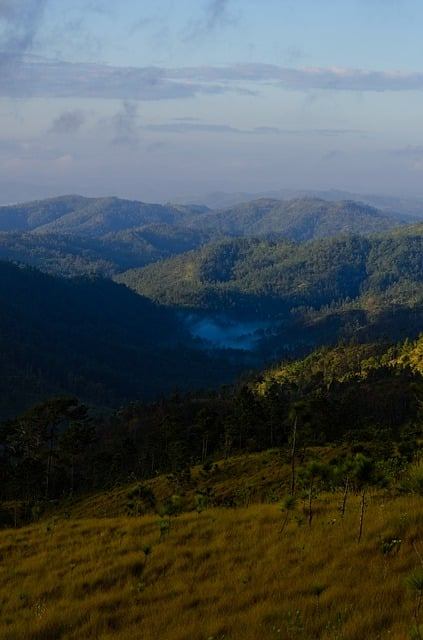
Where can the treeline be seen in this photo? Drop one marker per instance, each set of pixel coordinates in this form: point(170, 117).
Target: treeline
point(367, 399)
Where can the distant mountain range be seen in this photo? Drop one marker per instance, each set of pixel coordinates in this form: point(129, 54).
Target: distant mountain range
point(407, 206)
point(73, 235)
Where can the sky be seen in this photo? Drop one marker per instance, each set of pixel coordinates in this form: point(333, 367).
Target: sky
point(158, 99)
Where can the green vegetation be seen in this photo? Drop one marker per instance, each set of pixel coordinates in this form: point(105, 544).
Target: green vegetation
point(278, 507)
point(265, 277)
point(297, 220)
point(92, 338)
point(349, 288)
point(364, 401)
point(68, 255)
point(72, 235)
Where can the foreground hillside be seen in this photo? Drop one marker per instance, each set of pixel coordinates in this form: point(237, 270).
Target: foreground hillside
point(289, 506)
point(222, 574)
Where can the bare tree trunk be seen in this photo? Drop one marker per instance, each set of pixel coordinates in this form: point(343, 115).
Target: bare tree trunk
point(293, 452)
point(49, 463)
point(362, 509)
point(310, 500)
point(72, 474)
point(344, 499)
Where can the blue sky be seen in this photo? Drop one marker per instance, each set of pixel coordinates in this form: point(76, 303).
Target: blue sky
point(179, 97)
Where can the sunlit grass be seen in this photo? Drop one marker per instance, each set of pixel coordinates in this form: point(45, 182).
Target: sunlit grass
point(223, 573)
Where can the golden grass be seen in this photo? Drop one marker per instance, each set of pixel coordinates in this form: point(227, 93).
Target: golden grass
point(222, 574)
point(244, 479)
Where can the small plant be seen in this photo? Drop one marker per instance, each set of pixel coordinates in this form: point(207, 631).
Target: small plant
point(415, 583)
point(317, 590)
point(164, 527)
point(143, 493)
point(415, 479)
point(390, 546)
point(172, 506)
point(288, 506)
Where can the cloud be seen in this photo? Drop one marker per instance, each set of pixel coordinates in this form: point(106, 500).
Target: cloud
point(125, 125)
point(68, 122)
point(216, 15)
point(184, 126)
point(19, 24)
point(40, 78)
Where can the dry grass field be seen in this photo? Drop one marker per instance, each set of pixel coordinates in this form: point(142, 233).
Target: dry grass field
point(224, 573)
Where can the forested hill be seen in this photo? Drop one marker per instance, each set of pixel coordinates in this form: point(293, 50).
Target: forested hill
point(73, 235)
point(299, 220)
point(93, 338)
point(261, 276)
point(90, 217)
point(69, 255)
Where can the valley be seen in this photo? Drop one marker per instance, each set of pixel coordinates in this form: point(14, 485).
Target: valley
point(214, 413)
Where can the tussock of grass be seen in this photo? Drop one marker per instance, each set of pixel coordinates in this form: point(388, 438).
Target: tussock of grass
point(222, 574)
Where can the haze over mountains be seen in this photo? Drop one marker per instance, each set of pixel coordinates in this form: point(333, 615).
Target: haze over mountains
point(269, 277)
point(73, 235)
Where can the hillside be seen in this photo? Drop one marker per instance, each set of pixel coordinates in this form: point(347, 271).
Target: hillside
point(69, 255)
point(343, 401)
point(193, 510)
point(298, 220)
point(91, 217)
point(220, 574)
point(313, 281)
point(90, 337)
point(73, 235)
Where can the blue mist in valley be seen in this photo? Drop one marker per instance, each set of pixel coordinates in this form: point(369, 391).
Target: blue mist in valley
point(223, 332)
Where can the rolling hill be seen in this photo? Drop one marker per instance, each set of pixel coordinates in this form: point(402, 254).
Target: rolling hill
point(93, 338)
point(351, 287)
point(276, 275)
point(69, 255)
point(91, 217)
point(74, 235)
point(298, 220)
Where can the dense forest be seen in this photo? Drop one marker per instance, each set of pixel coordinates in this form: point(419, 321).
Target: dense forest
point(260, 276)
point(366, 399)
point(93, 338)
point(347, 288)
point(72, 235)
point(356, 288)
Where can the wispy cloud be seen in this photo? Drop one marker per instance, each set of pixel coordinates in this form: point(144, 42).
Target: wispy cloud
point(19, 24)
point(187, 126)
point(216, 15)
point(68, 122)
point(125, 125)
point(39, 78)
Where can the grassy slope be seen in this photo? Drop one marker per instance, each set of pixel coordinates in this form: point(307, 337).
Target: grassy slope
point(224, 573)
point(221, 574)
